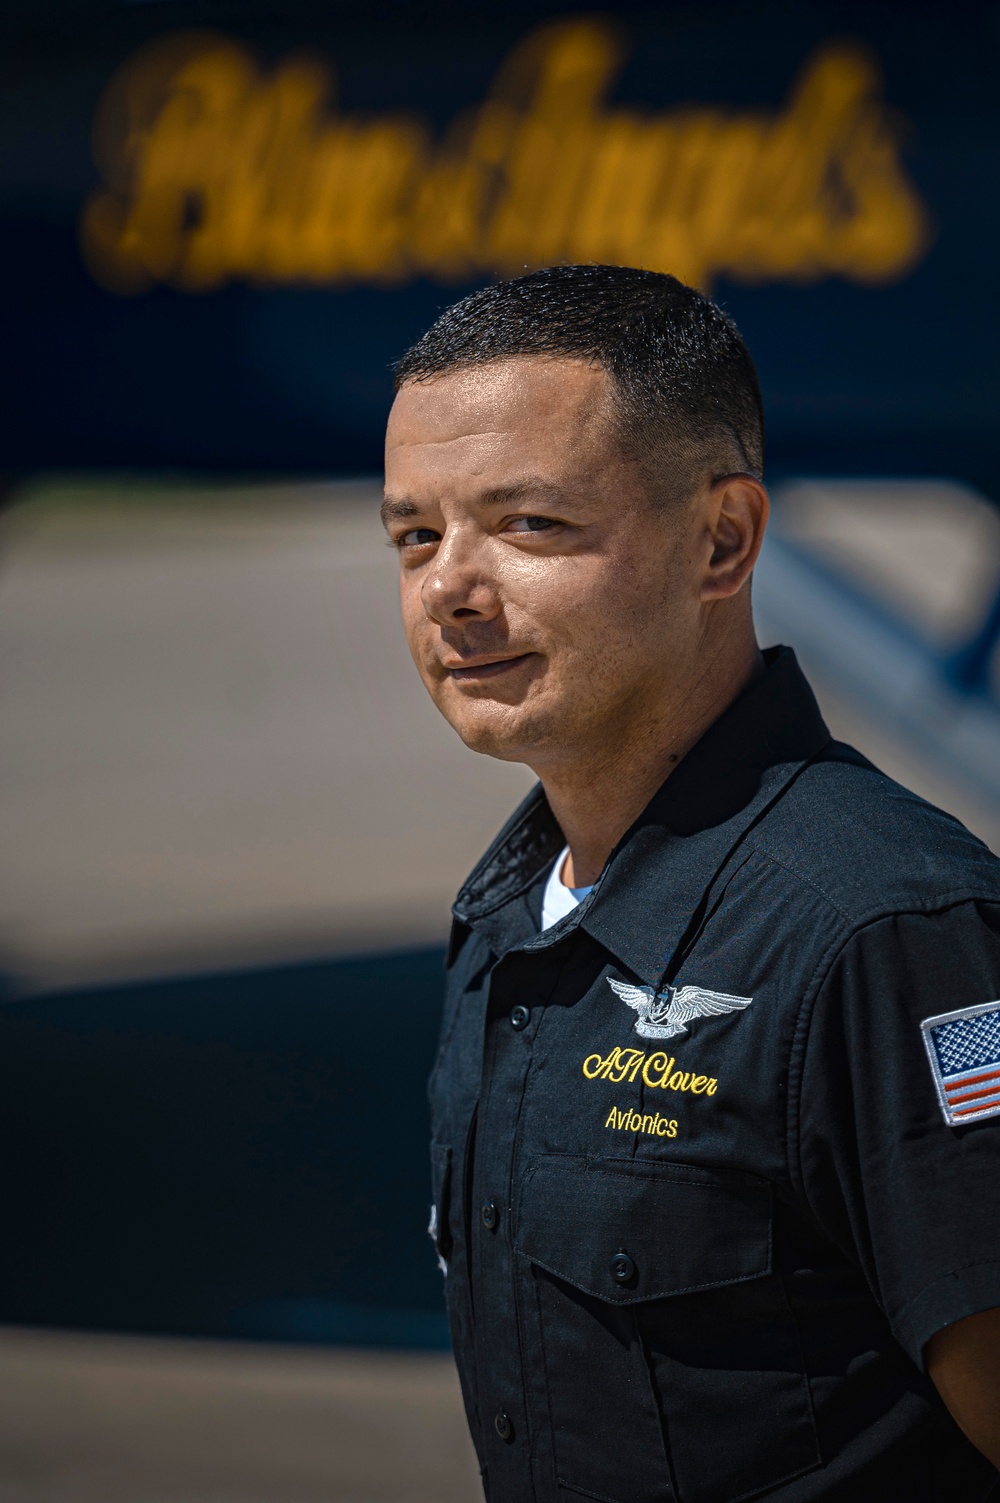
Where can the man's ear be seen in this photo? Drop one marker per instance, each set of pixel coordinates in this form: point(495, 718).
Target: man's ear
point(736, 517)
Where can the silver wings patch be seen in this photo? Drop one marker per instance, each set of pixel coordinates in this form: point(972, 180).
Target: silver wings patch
point(663, 1014)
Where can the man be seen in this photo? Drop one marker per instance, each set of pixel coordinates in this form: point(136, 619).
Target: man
point(716, 1113)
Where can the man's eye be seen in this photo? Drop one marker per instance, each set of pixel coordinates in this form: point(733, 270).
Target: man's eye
point(532, 524)
point(417, 537)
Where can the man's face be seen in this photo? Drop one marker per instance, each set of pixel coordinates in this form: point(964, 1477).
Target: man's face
point(547, 601)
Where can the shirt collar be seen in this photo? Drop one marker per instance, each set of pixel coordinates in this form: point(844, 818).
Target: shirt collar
point(649, 893)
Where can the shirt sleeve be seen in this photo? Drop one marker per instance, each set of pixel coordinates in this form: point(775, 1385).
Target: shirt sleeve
point(898, 1127)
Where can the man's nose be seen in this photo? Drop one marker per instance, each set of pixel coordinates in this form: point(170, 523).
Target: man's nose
point(459, 584)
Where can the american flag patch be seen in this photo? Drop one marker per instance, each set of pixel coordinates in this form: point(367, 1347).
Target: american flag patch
point(964, 1051)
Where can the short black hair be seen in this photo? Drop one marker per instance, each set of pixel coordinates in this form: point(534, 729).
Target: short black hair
point(684, 386)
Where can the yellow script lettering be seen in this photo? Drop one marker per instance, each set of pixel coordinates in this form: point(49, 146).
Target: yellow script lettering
point(657, 1064)
point(216, 169)
point(657, 1071)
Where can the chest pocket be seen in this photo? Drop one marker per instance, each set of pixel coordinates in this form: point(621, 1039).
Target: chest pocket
point(671, 1355)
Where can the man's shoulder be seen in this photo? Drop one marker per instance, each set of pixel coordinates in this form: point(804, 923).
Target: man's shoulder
point(872, 846)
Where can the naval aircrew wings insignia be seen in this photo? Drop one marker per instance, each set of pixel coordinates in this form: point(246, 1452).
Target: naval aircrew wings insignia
point(663, 1014)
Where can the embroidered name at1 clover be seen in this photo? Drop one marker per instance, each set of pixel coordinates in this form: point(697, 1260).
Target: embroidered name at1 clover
point(657, 1070)
point(964, 1051)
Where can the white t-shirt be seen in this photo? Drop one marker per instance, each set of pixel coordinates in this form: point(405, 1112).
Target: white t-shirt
point(558, 899)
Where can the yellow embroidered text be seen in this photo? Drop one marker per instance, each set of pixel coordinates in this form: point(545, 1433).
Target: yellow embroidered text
point(657, 1070)
point(628, 1121)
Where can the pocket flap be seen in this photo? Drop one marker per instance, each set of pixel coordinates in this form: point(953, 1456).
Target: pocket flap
point(680, 1228)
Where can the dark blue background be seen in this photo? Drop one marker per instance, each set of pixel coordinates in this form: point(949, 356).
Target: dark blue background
point(227, 1155)
point(886, 380)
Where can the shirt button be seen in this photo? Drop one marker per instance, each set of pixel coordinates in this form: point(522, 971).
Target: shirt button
point(621, 1268)
point(519, 1017)
point(502, 1424)
point(490, 1216)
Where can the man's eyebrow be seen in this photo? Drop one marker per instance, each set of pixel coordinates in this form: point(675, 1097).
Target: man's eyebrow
point(521, 490)
point(393, 510)
point(397, 509)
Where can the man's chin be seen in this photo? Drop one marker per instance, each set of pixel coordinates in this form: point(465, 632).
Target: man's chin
point(511, 734)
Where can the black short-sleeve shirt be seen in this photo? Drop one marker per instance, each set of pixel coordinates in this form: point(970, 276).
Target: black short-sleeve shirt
point(717, 1154)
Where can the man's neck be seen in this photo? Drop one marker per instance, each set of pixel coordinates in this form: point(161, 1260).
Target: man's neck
point(597, 795)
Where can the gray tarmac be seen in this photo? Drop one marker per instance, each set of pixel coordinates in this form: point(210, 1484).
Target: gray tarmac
point(119, 1419)
point(214, 749)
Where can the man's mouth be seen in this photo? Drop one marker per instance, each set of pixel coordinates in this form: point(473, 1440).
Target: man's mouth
point(480, 668)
